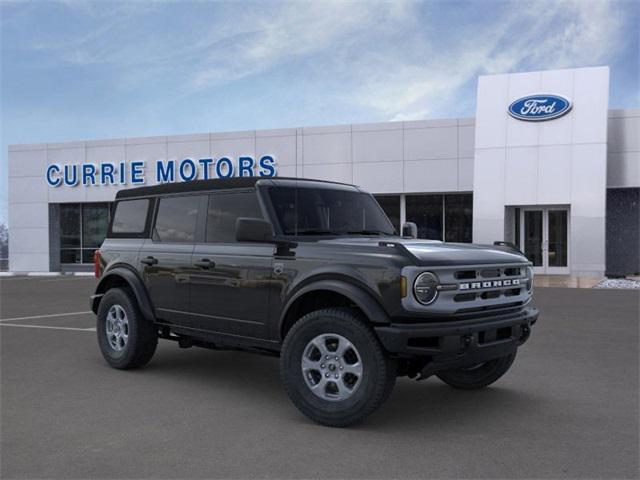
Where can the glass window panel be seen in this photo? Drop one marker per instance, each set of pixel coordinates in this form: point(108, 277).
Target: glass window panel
point(70, 225)
point(70, 255)
point(224, 210)
point(130, 216)
point(533, 236)
point(426, 212)
point(328, 211)
point(87, 255)
point(458, 217)
point(517, 229)
point(557, 238)
point(95, 221)
point(391, 206)
point(176, 220)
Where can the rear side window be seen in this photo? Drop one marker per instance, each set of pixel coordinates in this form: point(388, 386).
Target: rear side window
point(130, 216)
point(176, 219)
point(224, 210)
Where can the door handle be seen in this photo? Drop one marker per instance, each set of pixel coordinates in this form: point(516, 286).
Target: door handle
point(149, 261)
point(204, 263)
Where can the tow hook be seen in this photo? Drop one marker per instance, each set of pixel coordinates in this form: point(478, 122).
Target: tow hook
point(526, 331)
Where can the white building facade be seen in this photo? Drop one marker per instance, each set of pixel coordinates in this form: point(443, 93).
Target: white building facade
point(544, 164)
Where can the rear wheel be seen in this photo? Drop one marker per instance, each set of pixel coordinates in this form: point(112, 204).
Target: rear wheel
point(334, 369)
point(477, 376)
point(126, 338)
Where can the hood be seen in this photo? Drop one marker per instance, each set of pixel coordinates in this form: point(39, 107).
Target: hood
point(435, 253)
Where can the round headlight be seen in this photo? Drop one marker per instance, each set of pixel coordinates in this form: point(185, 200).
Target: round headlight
point(529, 274)
point(425, 288)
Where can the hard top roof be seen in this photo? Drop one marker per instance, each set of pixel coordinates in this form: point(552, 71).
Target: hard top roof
point(220, 184)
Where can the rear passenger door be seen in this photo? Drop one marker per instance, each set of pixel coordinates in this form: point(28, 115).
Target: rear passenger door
point(231, 281)
point(166, 257)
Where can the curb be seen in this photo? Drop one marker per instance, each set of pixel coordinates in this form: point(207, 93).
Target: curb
point(46, 274)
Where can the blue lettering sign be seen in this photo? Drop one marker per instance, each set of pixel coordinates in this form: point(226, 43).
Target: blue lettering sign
point(108, 173)
point(137, 172)
point(188, 174)
point(267, 167)
point(245, 164)
point(123, 173)
point(206, 163)
point(70, 175)
point(88, 174)
point(165, 172)
point(224, 161)
point(51, 180)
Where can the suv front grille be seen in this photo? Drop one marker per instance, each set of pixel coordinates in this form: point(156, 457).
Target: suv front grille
point(488, 283)
point(482, 289)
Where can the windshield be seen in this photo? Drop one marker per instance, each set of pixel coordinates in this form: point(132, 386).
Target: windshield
point(323, 211)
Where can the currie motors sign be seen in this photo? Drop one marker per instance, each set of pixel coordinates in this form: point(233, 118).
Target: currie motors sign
point(164, 171)
point(540, 107)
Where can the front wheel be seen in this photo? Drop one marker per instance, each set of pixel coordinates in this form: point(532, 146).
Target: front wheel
point(334, 369)
point(477, 376)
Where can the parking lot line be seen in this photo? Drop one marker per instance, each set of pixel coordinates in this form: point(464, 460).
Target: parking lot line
point(91, 329)
point(34, 317)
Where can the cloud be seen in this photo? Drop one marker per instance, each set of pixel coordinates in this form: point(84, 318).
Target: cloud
point(401, 60)
point(222, 41)
point(294, 31)
point(524, 36)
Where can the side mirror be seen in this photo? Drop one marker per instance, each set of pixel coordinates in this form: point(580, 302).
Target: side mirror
point(410, 230)
point(255, 230)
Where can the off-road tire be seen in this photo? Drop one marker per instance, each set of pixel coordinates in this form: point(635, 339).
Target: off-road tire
point(142, 334)
point(479, 377)
point(379, 371)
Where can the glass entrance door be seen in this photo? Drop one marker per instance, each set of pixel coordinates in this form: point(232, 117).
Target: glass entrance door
point(557, 245)
point(544, 234)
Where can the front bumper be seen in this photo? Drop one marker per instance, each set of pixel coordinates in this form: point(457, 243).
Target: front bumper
point(459, 343)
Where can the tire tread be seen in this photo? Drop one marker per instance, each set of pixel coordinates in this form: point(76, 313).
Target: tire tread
point(485, 376)
point(384, 364)
point(146, 341)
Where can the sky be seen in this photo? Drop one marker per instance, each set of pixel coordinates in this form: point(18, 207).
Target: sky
point(76, 70)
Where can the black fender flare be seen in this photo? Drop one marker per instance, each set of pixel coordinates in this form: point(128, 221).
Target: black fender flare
point(364, 300)
point(133, 281)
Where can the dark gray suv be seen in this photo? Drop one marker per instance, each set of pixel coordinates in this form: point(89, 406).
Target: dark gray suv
point(313, 272)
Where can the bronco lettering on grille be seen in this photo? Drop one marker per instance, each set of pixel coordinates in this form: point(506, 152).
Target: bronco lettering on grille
point(489, 284)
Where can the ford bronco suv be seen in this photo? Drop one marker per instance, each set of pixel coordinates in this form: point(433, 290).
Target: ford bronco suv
point(311, 271)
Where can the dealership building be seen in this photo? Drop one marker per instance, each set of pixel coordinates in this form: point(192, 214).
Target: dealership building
point(544, 164)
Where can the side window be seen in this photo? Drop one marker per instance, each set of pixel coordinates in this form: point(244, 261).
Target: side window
point(176, 219)
point(224, 210)
point(130, 216)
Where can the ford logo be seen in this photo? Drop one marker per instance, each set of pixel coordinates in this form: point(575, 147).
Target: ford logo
point(536, 108)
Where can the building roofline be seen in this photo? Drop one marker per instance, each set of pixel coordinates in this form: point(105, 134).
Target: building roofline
point(309, 130)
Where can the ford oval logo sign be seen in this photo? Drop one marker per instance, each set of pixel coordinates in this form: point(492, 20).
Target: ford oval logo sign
point(536, 108)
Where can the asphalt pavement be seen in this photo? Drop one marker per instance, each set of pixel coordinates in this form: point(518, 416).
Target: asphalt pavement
point(568, 408)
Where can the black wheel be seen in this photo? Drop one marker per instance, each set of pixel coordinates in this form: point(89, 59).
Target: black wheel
point(477, 376)
point(126, 338)
point(334, 369)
